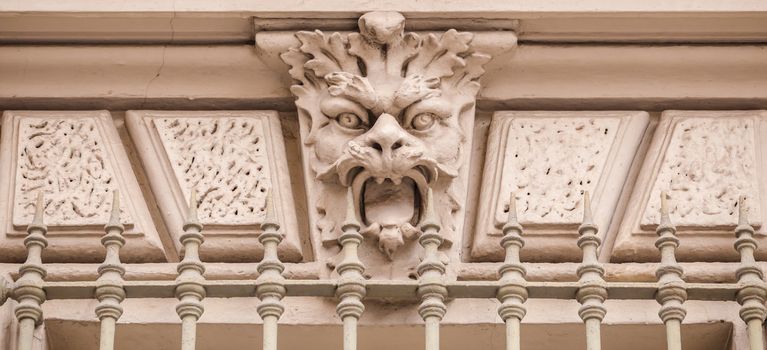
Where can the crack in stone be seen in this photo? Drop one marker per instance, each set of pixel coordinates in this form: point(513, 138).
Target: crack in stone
point(164, 49)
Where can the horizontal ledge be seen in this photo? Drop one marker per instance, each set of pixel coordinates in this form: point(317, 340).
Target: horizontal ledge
point(698, 272)
point(344, 8)
point(578, 77)
point(237, 28)
point(401, 290)
point(694, 272)
point(285, 104)
point(60, 272)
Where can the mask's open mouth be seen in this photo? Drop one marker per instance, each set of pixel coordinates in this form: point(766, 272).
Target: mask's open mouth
point(391, 201)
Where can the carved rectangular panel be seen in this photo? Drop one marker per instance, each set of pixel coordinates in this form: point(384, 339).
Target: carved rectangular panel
point(548, 160)
point(77, 160)
point(64, 157)
point(704, 160)
point(232, 160)
point(224, 157)
point(707, 164)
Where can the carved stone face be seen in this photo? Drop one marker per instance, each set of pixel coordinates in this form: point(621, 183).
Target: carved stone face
point(385, 113)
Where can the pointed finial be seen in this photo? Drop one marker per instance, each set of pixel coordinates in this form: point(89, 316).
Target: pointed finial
point(39, 211)
point(191, 219)
point(270, 217)
point(430, 219)
point(114, 217)
point(665, 219)
point(742, 211)
point(512, 209)
point(269, 206)
point(351, 214)
point(587, 216)
point(512, 230)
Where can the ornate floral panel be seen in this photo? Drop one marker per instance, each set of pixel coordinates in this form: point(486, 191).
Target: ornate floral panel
point(704, 160)
point(77, 161)
point(548, 160)
point(233, 160)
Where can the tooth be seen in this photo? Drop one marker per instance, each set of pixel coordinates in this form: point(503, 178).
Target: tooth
point(397, 181)
point(379, 180)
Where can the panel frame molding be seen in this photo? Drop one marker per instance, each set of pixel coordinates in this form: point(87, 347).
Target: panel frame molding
point(144, 244)
point(634, 242)
point(173, 204)
point(542, 240)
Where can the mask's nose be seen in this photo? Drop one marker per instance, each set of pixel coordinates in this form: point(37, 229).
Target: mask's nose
point(386, 135)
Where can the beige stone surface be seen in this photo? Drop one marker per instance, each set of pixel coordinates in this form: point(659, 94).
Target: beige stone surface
point(200, 55)
point(233, 160)
point(77, 160)
point(548, 160)
point(705, 160)
point(341, 8)
point(534, 77)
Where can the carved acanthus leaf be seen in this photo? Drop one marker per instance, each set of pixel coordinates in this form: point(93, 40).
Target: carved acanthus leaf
point(328, 54)
point(466, 78)
point(296, 60)
point(439, 56)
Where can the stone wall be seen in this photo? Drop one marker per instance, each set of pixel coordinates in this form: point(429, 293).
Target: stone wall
point(414, 130)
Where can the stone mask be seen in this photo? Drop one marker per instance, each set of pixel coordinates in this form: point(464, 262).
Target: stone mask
point(385, 113)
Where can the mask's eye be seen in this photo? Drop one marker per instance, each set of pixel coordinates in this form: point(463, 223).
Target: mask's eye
point(349, 121)
point(423, 121)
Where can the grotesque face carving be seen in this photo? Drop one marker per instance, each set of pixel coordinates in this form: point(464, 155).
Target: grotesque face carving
point(385, 113)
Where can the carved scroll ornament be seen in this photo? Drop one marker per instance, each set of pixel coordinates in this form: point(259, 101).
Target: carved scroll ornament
point(384, 109)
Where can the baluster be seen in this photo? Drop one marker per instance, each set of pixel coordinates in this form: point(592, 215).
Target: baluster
point(29, 288)
point(671, 287)
point(752, 293)
point(431, 287)
point(109, 290)
point(351, 283)
point(190, 288)
point(593, 291)
point(270, 286)
point(512, 291)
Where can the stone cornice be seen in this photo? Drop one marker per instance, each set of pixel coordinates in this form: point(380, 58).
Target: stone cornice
point(232, 22)
point(538, 77)
point(342, 8)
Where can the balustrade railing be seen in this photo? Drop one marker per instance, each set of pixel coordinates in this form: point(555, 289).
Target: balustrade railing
point(351, 282)
point(671, 288)
point(351, 288)
point(512, 291)
point(592, 290)
point(110, 291)
point(190, 284)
